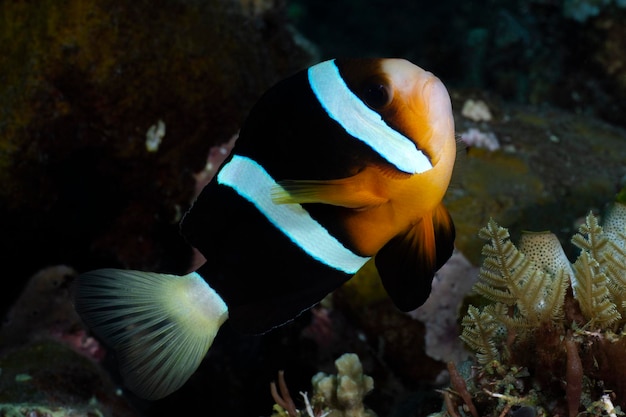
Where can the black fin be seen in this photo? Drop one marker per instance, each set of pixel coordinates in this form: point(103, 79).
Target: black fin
point(408, 262)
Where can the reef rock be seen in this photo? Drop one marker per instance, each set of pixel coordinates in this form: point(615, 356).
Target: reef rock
point(550, 169)
point(49, 365)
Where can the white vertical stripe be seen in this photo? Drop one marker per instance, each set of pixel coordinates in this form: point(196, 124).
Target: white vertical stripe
point(252, 182)
point(362, 122)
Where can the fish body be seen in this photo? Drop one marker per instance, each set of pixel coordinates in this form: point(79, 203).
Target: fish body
point(339, 165)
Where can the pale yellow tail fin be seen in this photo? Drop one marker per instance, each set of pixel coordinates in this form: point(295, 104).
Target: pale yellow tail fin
point(160, 326)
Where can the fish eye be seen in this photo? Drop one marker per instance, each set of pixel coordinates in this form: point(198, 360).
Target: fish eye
point(376, 95)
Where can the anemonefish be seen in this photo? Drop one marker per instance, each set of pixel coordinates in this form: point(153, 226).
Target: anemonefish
point(341, 164)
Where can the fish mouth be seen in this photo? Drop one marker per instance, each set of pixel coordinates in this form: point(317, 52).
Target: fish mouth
point(438, 113)
point(438, 99)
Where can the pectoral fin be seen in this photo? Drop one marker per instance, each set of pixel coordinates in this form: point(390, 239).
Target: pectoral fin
point(408, 262)
point(352, 192)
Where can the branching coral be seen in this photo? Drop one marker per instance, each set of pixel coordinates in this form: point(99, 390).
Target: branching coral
point(339, 395)
point(551, 335)
point(345, 391)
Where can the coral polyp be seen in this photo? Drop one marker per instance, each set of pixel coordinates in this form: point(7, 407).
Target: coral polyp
point(550, 337)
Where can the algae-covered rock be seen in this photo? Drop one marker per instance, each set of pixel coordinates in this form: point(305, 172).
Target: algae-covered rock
point(551, 167)
point(82, 86)
point(47, 378)
point(43, 310)
point(49, 365)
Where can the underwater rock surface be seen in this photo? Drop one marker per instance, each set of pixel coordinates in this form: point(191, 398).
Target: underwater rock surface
point(550, 168)
point(49, 364)
point(49, 379)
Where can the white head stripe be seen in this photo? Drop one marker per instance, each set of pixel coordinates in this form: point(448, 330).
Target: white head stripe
point(252, 182)
point(362, 122)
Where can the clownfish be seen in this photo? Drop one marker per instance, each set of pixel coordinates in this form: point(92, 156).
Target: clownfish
point(342, 164)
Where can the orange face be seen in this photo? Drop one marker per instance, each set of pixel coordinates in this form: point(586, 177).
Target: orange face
point(415, 103)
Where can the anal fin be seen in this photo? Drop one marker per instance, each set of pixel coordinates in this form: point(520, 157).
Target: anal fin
point(408, 262)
